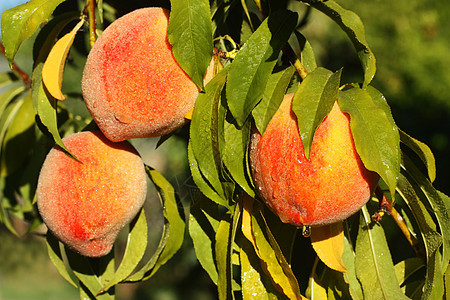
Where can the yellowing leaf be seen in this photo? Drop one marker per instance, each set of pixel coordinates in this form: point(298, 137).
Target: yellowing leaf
point(328, 242)
point(189, 114)
point(52, 72)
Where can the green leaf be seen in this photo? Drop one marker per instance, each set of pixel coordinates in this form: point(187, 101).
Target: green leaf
point(21, 22)
point(204, 138)
point(373, 262)
point(173, 217)
point(225, 236)
point(354, 28)
point(190, 33)
point(424, 187)
point(46, 106)
point(7, 78)
point(350, 278)
point(254, 63)
point(434, 284)
point(234, 151)
point(313, 101)
point(134, 251)
point(273, 96)
point(49, 33)
point(407, 268)
point(8, 116)
point(88, 270)
point(55, 255)
point(307, 56)
point(17, 143)
point(272, 258)
point(255, 283)
point(423, 151)
point(375, 135)
point(9, 95)
point(203, 224)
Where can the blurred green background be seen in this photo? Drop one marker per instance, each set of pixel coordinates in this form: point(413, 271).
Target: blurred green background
point(411, 41)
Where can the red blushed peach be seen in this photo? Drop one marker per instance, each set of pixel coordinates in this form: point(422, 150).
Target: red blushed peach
point(329, 187)
point(131, 84)
point(86, 203)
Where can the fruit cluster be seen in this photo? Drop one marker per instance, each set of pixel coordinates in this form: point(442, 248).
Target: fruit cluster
point(133, 88)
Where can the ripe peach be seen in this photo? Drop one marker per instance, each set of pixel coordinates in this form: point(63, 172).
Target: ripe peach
point(329, 187)
point(132, 85)
point(86, 203)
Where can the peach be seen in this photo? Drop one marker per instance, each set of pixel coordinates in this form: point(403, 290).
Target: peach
point(87, 202)
point(329, 187)
point(131, 83)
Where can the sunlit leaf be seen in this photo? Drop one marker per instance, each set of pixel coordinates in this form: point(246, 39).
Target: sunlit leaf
point(204, 138)
point(21, 22)
point(272, 97)
point(373, 262)
point(190, 33)
point(235, 152)
point(255, 61)
point(16, 144)
point(275, 265)
point(7, 96)
point(55, 255)
point(45, 106)
point(53, 69)
point(173, 216)
point(423, 151)
point(134, 251)
point(407, 268)
point(315, 290)
point(348, 257)
point(354, 28)
point(376, 137)
point(312, 102)
point(328, 242)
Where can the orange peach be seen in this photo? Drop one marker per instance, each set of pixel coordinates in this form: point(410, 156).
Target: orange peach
point(329, 187)
point(132, 85)
point(87, 202)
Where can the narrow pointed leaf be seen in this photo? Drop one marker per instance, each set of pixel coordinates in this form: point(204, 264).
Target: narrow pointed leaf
point(423, 151)
point(307, 56)
point(407, 268)
point(204, 137)
point(16, 143)
point(46, 106)
point(354, 28)
point(203, 224)
point(376, 138)
point(21, 22)
point(437, 203)
point(312, 102)
point(173, 216)
point(234, 153)
point(254, 63)
point(53, 69)
point(374, 266)
point(276, 266)
point(8, 95)
point(190, 33)
point(134, 251)
point(273, 96)
point(54, 253)
point(348, 257)
point(328, 242)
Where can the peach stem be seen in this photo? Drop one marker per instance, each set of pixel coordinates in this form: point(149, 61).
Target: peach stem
point(295, 61)
point(16, 69)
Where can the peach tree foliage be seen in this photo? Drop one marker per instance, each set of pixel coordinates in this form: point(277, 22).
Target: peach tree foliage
point(261, 53)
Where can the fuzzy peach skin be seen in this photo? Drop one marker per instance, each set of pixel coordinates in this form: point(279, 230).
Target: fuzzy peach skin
point(86, 203)
point(131, 83)
point(329, 187)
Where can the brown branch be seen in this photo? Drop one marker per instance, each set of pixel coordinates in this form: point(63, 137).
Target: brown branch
point(385, 207)
point(90, 9)
point(18, 71)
